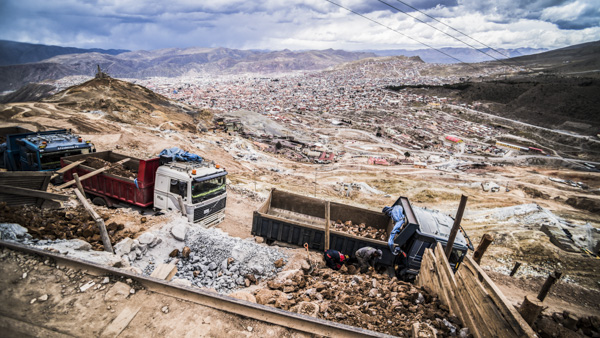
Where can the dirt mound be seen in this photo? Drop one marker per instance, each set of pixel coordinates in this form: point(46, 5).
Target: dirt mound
point(62, 224)
point(585, 203)
point(361, 230)
point(371, 301)
point(114, 169)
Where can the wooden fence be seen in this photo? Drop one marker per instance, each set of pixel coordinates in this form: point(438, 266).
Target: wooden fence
point(472, 296)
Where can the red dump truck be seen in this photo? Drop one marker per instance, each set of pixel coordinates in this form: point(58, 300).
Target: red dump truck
point(194, 188)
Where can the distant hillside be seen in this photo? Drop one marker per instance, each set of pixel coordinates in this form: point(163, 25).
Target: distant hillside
point(28, 93)
point(582, 59)
point(468, 55)
point(174, 62)
point(92, 106)
point(14, 53)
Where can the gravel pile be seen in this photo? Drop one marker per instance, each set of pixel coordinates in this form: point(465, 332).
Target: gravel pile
point(217, 260)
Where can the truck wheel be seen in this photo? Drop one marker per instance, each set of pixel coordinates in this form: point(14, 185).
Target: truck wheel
point(99, 201)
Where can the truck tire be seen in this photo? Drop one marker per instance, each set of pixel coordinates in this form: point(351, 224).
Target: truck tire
point(99, 201)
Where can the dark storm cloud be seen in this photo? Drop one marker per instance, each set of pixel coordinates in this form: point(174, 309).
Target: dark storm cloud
point(293, 24)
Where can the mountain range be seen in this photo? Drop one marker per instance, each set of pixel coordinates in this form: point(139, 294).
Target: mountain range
point(173, 62)
point(14, 53)
point(467, 55)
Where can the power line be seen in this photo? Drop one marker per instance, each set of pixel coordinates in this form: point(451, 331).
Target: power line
point(454, 29)
point(396, 31)
point(439, 30)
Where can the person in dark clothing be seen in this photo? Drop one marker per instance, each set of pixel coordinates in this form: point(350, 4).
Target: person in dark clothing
point(366, 257)
point(335, 259)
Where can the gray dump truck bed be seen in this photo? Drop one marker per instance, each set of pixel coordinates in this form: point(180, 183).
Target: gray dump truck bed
point(296, 219)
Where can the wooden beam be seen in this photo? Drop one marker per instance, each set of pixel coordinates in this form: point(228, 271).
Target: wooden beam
point(93, 173)
point(10, 190)
point(66, 168)
point(552, 278)
point(456, 225)
point(511, 315)
point(99, 221)
point(119, 324)
point(531, 308)
point(164, 271)
point(78, 182)
point(486, 240)
point(327, 223)
point(514, 270)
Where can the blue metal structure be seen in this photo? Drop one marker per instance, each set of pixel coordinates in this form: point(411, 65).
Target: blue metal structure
point(41, 151)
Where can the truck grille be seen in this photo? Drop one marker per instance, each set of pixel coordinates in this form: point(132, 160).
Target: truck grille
point(207, 210)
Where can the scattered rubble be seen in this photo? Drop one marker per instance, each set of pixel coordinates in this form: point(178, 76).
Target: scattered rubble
point(371, 301)
point(49, 224)
point(361, 230)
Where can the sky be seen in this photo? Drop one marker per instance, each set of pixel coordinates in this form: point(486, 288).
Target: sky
point(297, 24)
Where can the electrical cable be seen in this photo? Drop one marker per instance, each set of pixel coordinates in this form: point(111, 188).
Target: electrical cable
point(396, 31)
point(439, 30)
point(454, 29)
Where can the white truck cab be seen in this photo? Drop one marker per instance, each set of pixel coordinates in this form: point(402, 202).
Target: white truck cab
point(196, 189)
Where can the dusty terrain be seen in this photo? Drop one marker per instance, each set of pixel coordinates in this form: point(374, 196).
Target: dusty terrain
point(99, 113)
point(41, 298)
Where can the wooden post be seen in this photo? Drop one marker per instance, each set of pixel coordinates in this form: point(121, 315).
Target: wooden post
point(78, 182)
point(456, 226)
point(514, 270)
point(182, 205)
point(99, 221)
point(486, 240)
point(327, 224)
point(65, 169)
point(530, 309)
point(552, 278)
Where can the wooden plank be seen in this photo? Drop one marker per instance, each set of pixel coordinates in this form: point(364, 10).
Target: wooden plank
point(65, 169)
point(10, 190)
point(511, 315)
point(93, 173)
point(466, 311)
point(460, 305)
point(164, 271)
point(99, 221)
point(474, 310)
point(119, 324)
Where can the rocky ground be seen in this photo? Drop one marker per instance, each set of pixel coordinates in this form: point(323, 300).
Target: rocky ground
point(371, 301)
point(42, 298)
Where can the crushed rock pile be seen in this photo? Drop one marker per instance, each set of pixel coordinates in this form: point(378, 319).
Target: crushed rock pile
point(49, 224)
point(371, 301)
point(224, 263)
point(361, 230)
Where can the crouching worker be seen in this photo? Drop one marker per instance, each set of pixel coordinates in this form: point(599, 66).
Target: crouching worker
point(366, 257)
point(335, 259)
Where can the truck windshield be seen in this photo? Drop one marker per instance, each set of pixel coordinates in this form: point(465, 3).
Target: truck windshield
point(52, 160)
point(207, 189)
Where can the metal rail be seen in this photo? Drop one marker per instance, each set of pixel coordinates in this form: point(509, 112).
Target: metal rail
point(213, 300)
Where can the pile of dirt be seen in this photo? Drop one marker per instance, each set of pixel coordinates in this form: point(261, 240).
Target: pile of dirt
point(371, 301)
point(360, 230)
point(62, 224)
point(114, 169)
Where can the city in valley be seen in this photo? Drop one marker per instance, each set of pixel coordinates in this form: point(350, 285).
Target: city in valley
point(101, 219)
